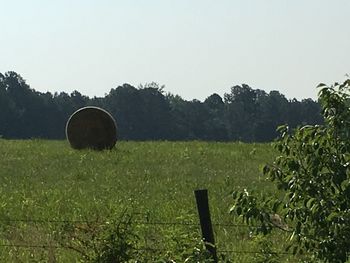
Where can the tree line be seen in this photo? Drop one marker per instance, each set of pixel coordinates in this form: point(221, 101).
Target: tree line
point(149, 113)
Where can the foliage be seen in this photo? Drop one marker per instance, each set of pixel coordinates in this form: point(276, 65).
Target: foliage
point(101, 242)
point(147, 113)
point(313, 174)
point(178, 245)
point(120, 241)
point(267, 253)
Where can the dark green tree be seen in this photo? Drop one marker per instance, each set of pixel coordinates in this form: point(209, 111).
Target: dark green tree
point(146, 113)
point(125, 104)
point(156, 119)
point(7, 111)
point(28, 108)
point(241, 112)
point(271, 112)
point(179, 125)
point(215, 124)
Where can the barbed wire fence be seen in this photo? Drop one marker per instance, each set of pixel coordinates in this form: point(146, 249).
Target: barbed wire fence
point(145, 220)
point(151, 223)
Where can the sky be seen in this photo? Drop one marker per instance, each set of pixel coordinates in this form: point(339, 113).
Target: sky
point(193, 47)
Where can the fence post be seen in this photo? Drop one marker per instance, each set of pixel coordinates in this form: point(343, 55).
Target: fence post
point(205, 221)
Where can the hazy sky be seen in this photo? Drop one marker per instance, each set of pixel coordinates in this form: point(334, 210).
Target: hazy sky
point(193, 47)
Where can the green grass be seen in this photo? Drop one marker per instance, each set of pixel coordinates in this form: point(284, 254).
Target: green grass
point(49, 180)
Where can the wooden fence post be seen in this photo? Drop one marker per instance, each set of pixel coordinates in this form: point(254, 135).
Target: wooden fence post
point(205, 221)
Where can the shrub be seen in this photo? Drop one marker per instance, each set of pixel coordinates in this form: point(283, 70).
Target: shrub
point(313, 176)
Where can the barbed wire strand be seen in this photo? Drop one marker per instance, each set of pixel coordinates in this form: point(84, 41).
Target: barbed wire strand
point(42, 221)
point(142, 249)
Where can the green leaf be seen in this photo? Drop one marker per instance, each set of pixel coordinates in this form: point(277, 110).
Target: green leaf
point(321, 85)
point(332, 216)
point(310, 202)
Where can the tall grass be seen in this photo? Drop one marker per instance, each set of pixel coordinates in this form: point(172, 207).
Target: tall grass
point(49, 180)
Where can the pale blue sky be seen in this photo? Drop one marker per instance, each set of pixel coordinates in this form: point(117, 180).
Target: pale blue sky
point(193, 47)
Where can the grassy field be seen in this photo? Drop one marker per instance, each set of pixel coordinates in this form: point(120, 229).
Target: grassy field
point(44, 183)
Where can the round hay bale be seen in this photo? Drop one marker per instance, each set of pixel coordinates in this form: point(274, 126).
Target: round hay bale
point(91, 127)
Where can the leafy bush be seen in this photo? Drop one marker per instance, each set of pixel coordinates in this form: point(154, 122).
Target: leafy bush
point(102, 242)
point(313, 174)
point(123, 240)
